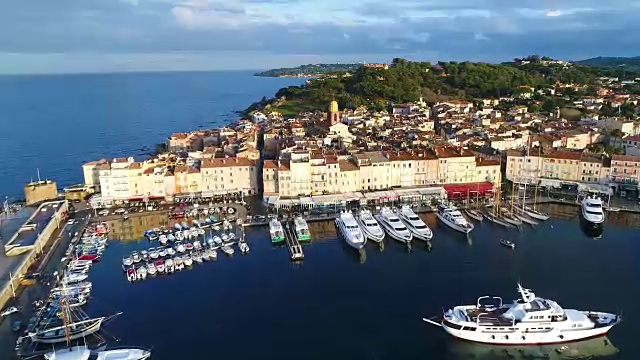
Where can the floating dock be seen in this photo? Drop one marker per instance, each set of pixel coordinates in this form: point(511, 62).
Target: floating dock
point(291, 240)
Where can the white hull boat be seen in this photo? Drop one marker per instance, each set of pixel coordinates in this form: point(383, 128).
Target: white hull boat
point(228, 250)
point(452, 217)
point(592, 211)
point(413, 222)
point(369, 226)
point(350, 230)
point(393, 226)
point(475, 215)
point(530, 320)
point(526, 219)
point(534, 213)
point(83, 353)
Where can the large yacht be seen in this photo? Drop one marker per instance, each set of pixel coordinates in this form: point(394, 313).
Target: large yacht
point(392, 225)
point(413, 222)
point(370, 227)
point(592, 211)
point(530, 320)
point(276, 231)
point(350, 230)
point(452, 217)
point(84, 353)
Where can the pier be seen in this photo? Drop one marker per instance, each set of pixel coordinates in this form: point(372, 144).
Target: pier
point(291, 240)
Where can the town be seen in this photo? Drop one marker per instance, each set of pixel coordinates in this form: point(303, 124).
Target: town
point(465, 146)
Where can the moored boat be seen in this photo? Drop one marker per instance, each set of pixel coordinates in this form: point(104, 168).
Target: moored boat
point(350, 230)
point(275, 231)
point(452, 217)
point(301, 229)
point(474, 214)
point(507, 243)
point(369, 226)
point(413, 222)
point(228, 250)
point(393, 226)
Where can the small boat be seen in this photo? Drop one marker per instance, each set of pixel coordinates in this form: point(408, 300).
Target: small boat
point(507, 243)
point(8, 311)
point(510, 218)
point(197, 257)
point(15, 327)
point(197, 245)
point(163, 239)
point(475, 215)
point(171, 238)
point(177, 227)
point(187, 260)
point(232, 236)
point(205, 255)
point(131, 274)
point(210, 242)
point(225, 237)
point(200, 231)
point(84, 353)
point(217, 240)
point(535, 214)
point(162, 252)
point(189, 246)
point(160, 266)
point(141, 272)
point(213, 254)
point(180, 247)
point(136, 257)
point(612, 209)
point(169, 266)
point(227, 249)
point(74, 278)
point(275, 231)
point(195, 223)
point(144, 254)
point(244, 247)
point(216, 227)
point(126, 261)
point(451, 216)
point(153, 253)
point(151, 268)
point(170, 251)
point(497, 220)
point(179, 264)
point(184, 226)
point(92, 257)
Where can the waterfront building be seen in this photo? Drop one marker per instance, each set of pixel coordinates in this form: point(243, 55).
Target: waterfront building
point(375, 170)
point(91, 173)
point(38, 191)
point(456, 165)
point(625, 172)
point(228, 175)
point(270, 177)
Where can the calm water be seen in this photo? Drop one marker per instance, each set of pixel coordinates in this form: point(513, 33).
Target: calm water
point(55, 123)
point(339, 305)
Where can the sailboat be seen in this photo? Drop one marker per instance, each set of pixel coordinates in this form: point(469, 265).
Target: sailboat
point(527, 211)
point(494, 216)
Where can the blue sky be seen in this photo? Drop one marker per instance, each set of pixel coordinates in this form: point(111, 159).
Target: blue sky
point(60, 36)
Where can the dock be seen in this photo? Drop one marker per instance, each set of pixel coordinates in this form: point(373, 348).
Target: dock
point(291, 240)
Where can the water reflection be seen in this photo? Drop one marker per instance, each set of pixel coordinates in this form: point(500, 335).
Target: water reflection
point(134, 227)
point(322, 231)
point(593, 348)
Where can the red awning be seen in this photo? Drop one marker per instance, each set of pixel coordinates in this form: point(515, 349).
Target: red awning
point(469, 189)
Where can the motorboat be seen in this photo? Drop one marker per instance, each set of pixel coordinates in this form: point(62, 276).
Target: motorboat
point(187, 260)
point(592, 211)
point(71, 331)
point(169, 266)
point(8, 311)
point(507, 243)
point(179, 235)
point(151, 268)
point(225, 237)
point(170, 251)
point(91, 257)
point(476, 215)
point(213, 254)
point(195, 223)
point(244, 247)
point(393, 226)
point(171, 238)
point(178, 263)
point(131, 274)
point(141, 272)
point(275, 231)
point(177, 227)
point(205, 255)
point(144, 254)
point(136, 257)
point(413, 222)
point(509, 217)
point(73, 278)
point(301, 229)
point(184, 225)
point(163, 239)
point(197, 257)
point(217, 240)
point(200, 232)
point(232, 236)
point(84, 353)
point(180, 247)
point(529, 320)
point(350, 230)
point(126, 261)
point(160, 266)
point(216, 227)
point(452, 217)
point(227, 249)
point(162, 252)
point(153, 253)
point(189, 246)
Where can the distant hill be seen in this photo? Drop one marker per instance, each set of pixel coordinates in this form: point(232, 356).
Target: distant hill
point(628, 63)
point(310, 70)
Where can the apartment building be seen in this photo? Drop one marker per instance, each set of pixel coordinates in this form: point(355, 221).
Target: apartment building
point(456, 165)
point(625, 169)
point(570, 166)
point(375, 170)
point(270, 177)
point(91, 173)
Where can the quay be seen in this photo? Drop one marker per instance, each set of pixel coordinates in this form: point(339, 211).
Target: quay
point(27, 244)
point(291, 240)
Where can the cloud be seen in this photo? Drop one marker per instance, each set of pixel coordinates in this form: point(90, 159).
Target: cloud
point(445, 29)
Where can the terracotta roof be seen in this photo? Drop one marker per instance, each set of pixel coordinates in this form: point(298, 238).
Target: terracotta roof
point(226, 162)
point(120, 160)
point(179, 136)
point(270, 164)
point(346, 165)
point(331, 159)
point(565, 155)
point(284, 166)
point(629, 158)
point(135, 165)
point(480, 161)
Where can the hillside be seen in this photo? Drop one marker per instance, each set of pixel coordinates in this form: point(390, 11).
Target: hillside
point(628, 63)
point(310, 70)
point(406, 81)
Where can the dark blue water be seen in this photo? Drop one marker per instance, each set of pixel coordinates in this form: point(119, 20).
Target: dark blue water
point(340, 305)
point(57, 122)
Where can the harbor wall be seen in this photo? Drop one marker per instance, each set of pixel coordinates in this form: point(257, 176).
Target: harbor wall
point(31, 256)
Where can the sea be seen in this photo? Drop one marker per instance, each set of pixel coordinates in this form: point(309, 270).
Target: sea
point(336, 304)
point(52, 124)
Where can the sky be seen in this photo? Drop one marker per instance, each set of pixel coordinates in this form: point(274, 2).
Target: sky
point(71, 36)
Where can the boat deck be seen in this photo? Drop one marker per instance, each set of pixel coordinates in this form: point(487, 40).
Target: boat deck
point(493, 316)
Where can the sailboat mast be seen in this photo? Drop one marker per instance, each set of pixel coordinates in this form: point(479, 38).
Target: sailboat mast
point(63, 294)
point(513, 189)
point(535, 193)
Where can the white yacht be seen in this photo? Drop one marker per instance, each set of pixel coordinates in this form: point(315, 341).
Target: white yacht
point(350, 230)
point(369, 226)
point(393, 226)
point(530, 320)
point(452, 217)
point(302, 230)
point(276, 231)
point(592, 211)
point(413, 222)
point(83, 353)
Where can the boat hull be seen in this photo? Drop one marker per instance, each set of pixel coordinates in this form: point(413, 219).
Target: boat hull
point(527, 219)
point(516, 338)
point(456, 227)
point(356, 245)
point(91, 329)
point(392, 233)
point(536, 215)
point(474, 215)
point(368, 234)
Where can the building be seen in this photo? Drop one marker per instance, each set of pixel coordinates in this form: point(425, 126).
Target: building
point(456, 165)
point(228, 175)
point(36, 192)
point(333, 117)
point(270, 177)
point(625, 171)
point(375, 171)
point(91, 173)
